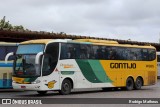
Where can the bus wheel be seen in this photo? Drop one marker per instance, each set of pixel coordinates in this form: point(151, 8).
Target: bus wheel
point(66, 87)
point(138, 83)
point(129, 84)
point(42, 92)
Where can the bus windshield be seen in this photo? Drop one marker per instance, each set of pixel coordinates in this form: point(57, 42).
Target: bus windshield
point(24, 65)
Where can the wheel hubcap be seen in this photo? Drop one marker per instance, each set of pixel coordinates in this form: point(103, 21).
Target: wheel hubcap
point(129, 83)
point(138, 83)
point(66, 87)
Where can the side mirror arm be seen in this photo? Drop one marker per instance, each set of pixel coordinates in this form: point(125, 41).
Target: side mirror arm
point(37, 60)
point(7, 57)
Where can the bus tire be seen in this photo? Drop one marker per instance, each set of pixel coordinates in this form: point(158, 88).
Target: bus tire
point(138, 83)
point(42, 92)
point(66, 87)
point(129, 84)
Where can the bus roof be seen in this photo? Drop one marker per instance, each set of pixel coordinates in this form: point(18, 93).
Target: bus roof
point(8, 44)
point(85, 41)
point(43, 41)
point(96, 41)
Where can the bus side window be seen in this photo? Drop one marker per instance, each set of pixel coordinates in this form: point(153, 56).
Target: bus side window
point(64, 51)
point(113, 54)
point(84, 51)
point(3, 52)
point(68, 52)
point(11, 49)
point(106, 53)
point(95, 48)
point(144, 53)
point(120, 53)
point(99, 53)
point(73, 51)
point(102, 52)
point(151, 54)
point(91, 53)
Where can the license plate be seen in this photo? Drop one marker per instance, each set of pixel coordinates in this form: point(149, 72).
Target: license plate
point(23, 87)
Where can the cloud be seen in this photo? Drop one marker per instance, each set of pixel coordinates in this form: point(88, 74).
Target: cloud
point(137, 20)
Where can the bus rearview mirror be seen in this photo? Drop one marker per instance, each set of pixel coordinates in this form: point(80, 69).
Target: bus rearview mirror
point(7, 57)
point(37, 60)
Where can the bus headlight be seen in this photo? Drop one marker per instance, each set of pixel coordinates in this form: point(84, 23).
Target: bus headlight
point(13, 81)
point(36, 82)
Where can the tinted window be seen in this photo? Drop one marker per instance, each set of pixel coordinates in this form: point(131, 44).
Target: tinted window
point(151, 54)
point(50, 58)
point(113, 53)
point(70, 51)
point(144, 53)
point(85, 51)
point(132, 54)
point(4, 50)
point(98, 52)
point(11, 49)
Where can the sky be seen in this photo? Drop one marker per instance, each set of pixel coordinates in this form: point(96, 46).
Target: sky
point(137, 20)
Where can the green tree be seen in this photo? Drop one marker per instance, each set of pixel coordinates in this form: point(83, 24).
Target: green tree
point(2, 22)
point(18, 27)
point(6, 24)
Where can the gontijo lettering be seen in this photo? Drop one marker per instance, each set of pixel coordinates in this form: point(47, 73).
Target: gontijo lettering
point(123, 65)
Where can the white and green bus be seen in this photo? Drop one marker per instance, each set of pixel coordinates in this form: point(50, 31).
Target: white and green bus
point(63, 65)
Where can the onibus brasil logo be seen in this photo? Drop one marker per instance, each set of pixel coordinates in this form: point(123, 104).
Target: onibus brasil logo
point(21, 101)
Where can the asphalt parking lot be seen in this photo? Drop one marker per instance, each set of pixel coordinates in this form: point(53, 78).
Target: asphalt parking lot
point(145, 92)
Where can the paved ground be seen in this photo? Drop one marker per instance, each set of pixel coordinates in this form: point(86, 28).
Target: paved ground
point(145, 92)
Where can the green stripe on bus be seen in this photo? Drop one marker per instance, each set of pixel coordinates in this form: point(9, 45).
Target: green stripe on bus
point(93, 71)
point(99, 71)
point(87, 71)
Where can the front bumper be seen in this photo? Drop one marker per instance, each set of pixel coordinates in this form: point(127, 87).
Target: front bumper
point(27, 86)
